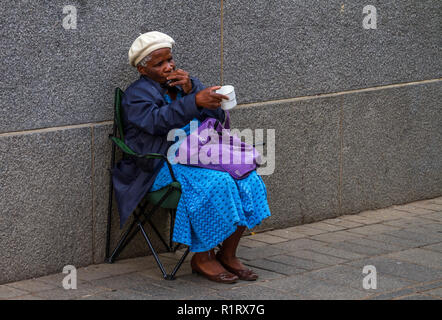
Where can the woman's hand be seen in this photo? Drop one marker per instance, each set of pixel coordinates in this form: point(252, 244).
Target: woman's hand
point(208, 98)
point(180, 77)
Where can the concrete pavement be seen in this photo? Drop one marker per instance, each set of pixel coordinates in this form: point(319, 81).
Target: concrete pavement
point(390, 253)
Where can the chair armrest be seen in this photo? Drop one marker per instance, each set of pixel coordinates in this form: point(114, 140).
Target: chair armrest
point(125, 148)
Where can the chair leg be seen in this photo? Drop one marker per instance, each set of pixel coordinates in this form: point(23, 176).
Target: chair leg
point(157, 259)
point(121, 244)
point(126, 238)
point(172, 223)
point(158, 234)
point(172, 275)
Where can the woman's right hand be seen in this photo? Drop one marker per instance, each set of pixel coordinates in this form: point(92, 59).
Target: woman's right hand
point(208, 98)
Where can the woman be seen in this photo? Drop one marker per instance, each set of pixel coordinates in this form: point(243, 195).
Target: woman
point(214, 208)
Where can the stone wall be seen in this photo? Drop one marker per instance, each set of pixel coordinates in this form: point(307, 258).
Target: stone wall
point(357, 113)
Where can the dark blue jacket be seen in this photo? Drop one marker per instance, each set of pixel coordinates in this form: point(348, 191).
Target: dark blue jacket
point(147, 119)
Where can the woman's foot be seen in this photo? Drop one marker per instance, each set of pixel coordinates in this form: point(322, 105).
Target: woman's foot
point(206, 264)
point(234, 265)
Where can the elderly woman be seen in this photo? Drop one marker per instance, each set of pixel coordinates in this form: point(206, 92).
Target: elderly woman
point(214, 207)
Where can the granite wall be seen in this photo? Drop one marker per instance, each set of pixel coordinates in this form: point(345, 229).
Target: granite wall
point(357, 112)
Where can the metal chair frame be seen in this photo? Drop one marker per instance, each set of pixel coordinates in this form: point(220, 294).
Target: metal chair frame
point(142, 217)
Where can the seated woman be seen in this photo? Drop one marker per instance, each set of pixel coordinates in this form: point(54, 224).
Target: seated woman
point(214, 208)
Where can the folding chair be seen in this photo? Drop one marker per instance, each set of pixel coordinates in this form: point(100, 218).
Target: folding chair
point(166, 198)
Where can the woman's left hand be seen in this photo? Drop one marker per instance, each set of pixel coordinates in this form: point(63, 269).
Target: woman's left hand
point(181, 77)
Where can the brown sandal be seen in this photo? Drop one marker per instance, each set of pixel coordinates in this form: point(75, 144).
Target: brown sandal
point(223, 277)
point(243, 274)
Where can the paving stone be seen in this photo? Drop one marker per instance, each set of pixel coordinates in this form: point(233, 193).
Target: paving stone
point(436, 200)
point(408, 234)
point(422, 287)
point(105, 270)
point(405, 243)
point(267, 238)
point(381, 215)
point(251, 243)
point(387, 214)
point(177, 289)
point(418, 297)
point(435, 227)
point(318, 257)
point(325, 226)
point(434, 247)
point(304, 229)
point(82, 290)
point(344, 223)
point(435, 292)
point(199, 280)
point(275, 266)
point(398, 268)
point(297, 262)
point(283, 233)
point(373, 228)
point(123, 281)
point(427, 205)
point(122, 294)
point(316, 288)
point(392, 213)
point(213, 296)
point(437, 216)
point(255, 291)
point(353, 277)
point(407, 222)
point(427, 230)
point(376, 244)
point(337, 236)
point(361, 249)
point(419, 203)
point(147, 262)
point(344, 254)
point(304, 243)
point(419, 256)
point(360, 219)
point(265, 275)
point(392, 295)
point(56, 280)
point(26, 297)
point(155, 273)
point(413, 210)
point(9, 292)
point(31, 285)
point(258, 253)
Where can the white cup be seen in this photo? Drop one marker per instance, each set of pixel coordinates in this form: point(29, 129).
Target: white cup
point(230, 92)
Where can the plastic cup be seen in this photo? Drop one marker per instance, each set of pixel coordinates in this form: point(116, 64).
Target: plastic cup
point(229, 91)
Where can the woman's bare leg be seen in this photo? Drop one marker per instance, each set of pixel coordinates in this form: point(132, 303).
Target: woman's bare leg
point(207, 262)
point(227, 253)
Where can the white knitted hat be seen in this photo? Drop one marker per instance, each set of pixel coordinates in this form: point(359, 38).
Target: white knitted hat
point(146, 43)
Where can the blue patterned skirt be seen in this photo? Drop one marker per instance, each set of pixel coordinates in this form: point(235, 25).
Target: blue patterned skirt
point(213, 204)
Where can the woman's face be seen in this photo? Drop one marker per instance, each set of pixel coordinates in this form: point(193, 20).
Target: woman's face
point(159, 66)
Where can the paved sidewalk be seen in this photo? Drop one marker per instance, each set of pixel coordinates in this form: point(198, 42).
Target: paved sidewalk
point(322, 260)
